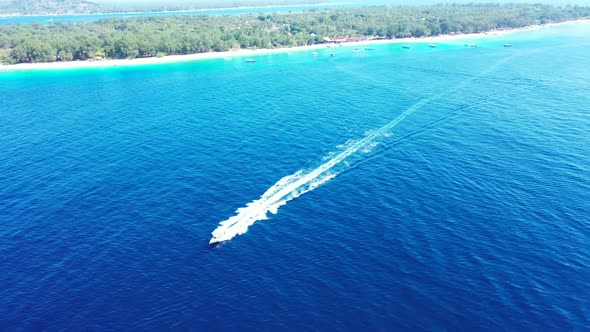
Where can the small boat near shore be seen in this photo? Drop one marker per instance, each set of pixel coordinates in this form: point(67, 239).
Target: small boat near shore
point(406, 46)
point(432, 45)
point(314, 53)
point(250, 60)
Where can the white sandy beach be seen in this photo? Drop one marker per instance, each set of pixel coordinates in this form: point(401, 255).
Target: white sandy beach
point(246, 53)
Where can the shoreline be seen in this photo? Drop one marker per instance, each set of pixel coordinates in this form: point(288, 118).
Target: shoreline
point(244, 53)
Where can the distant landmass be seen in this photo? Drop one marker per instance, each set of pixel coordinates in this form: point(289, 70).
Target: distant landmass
point(57, 7)
point(30, 7)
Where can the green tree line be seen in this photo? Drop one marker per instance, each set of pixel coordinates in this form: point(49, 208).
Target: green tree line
point(120, 38)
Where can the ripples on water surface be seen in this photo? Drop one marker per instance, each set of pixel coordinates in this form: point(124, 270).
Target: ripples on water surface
point(471, 213)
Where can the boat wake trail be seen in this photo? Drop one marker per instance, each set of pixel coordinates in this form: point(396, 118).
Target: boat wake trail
point(297, 184)
point(303, 181)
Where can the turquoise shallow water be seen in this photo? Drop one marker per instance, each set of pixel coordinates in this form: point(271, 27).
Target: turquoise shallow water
point(470, 211)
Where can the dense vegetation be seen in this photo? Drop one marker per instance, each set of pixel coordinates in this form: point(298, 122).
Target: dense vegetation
point(155, 36)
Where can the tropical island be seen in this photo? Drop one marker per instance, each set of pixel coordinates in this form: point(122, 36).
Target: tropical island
point(148, 37)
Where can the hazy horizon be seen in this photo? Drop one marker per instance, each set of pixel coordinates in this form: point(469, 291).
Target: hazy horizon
point(221, 3)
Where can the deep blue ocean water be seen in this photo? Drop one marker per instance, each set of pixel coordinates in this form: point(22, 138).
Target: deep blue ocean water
point(470, 212)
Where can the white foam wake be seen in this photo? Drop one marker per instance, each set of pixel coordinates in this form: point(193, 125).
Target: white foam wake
point(302, 181)
point(297, 184)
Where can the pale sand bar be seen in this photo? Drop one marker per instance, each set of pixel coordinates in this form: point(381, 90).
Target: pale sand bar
point(251, 53)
